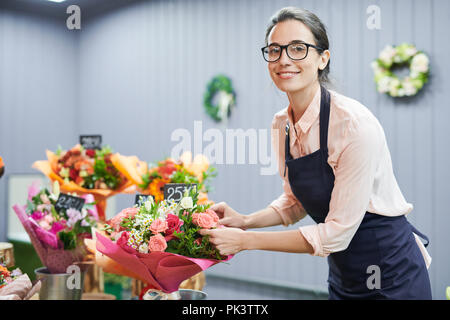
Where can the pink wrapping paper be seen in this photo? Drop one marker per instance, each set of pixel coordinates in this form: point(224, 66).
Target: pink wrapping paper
point(162, 270)
point(56, 260)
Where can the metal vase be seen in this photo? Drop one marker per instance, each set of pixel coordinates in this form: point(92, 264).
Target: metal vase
point(60, 286)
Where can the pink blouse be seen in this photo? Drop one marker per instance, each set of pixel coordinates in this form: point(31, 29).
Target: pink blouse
point(361, 162)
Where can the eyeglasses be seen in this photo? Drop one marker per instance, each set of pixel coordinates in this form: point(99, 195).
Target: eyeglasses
point(295, 51)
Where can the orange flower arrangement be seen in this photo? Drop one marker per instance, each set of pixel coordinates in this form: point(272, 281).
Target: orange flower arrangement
point(86, 171)
point(152, 180)
point(4, 274)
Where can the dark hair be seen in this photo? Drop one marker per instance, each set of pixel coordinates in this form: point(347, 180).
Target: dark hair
point(314, 24)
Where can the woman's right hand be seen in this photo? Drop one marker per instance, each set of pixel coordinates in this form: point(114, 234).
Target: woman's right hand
point(229, 217)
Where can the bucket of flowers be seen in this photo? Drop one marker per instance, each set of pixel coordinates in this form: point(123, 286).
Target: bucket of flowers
point(159, 243)
point(57, 234)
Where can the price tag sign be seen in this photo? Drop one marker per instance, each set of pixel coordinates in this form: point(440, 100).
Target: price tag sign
point(66, 201)
point(142, 198)
point(91, 142)
point(175, 191)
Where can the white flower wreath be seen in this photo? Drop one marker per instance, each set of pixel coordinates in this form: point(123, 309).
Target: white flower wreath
point(402, 55)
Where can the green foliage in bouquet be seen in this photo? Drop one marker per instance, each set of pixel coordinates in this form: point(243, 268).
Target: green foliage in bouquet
point(104, 171)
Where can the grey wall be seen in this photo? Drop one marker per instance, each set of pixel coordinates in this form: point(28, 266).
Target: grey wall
point(38, 92)
point(140, 72)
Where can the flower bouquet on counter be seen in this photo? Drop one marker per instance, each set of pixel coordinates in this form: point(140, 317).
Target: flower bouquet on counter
point(151, 178)
point(86, 171)
point(57, 233)
point(16, 286)
point(159, 243)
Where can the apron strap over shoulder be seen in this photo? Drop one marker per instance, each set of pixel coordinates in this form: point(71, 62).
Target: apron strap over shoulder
point(286, 147)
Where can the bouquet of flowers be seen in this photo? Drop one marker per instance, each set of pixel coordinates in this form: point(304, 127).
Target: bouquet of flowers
point(159, 242)
point(57, 235)
point(151, 178)
point(16, 286)
point(86, 171)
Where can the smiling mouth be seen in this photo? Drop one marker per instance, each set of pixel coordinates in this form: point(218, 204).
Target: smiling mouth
point(287, 75)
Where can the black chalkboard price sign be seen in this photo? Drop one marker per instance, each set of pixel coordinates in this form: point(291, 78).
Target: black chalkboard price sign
point(91, 142)
point(141, 199)
point(66, 201)
point(175, 191)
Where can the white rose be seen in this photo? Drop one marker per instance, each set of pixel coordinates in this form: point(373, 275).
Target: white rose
point(393, 91)
point(187, 203)
point(388, 54)
point(420, 63)
point(384, 85)
point(143, 248)
point(376, 68)
point(411, 51)
point(409, 88)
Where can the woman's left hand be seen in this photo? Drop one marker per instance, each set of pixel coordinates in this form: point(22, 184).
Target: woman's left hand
point(227, 240)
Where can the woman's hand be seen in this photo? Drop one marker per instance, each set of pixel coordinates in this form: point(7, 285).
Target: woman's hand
point(226, 240)
point(229, 217)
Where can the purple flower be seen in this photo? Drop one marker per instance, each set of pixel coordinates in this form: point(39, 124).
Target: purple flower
point(74, 215)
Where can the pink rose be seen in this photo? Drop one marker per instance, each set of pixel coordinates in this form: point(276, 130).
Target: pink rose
point(49, 218)
point(37, 215)
point(57, 227)
point(173, 224)
point(45, 199)
point(204, 220)
point(158, 226)
point(44, 225)
point(44, 207)
point(125, 213)
point(33, 190)
point(198, 241)
point(213, 214)
point(157, 243)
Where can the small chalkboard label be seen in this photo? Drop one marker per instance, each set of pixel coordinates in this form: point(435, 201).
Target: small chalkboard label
point(142, 198)
point(175, 191)
point(91, 142)
point(66, 201)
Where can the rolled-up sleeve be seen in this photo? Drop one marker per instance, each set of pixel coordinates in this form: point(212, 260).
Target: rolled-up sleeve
point(354, 179)
point(287, 204)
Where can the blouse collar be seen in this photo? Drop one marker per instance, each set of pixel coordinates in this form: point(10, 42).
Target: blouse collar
point(309, 116)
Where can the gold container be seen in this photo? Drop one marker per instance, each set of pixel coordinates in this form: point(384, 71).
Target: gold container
point(93, 280)
point(7, 254)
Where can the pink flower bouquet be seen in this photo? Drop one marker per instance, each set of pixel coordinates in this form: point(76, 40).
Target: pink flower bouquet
point(57, 235)
point(160, 242)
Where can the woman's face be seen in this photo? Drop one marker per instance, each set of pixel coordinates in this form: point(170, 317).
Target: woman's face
point(295, 75)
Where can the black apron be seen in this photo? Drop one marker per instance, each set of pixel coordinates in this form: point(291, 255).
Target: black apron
point(381, 244)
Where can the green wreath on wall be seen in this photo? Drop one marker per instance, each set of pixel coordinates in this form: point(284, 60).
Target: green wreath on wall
point(393, 57)
point(221, 87)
